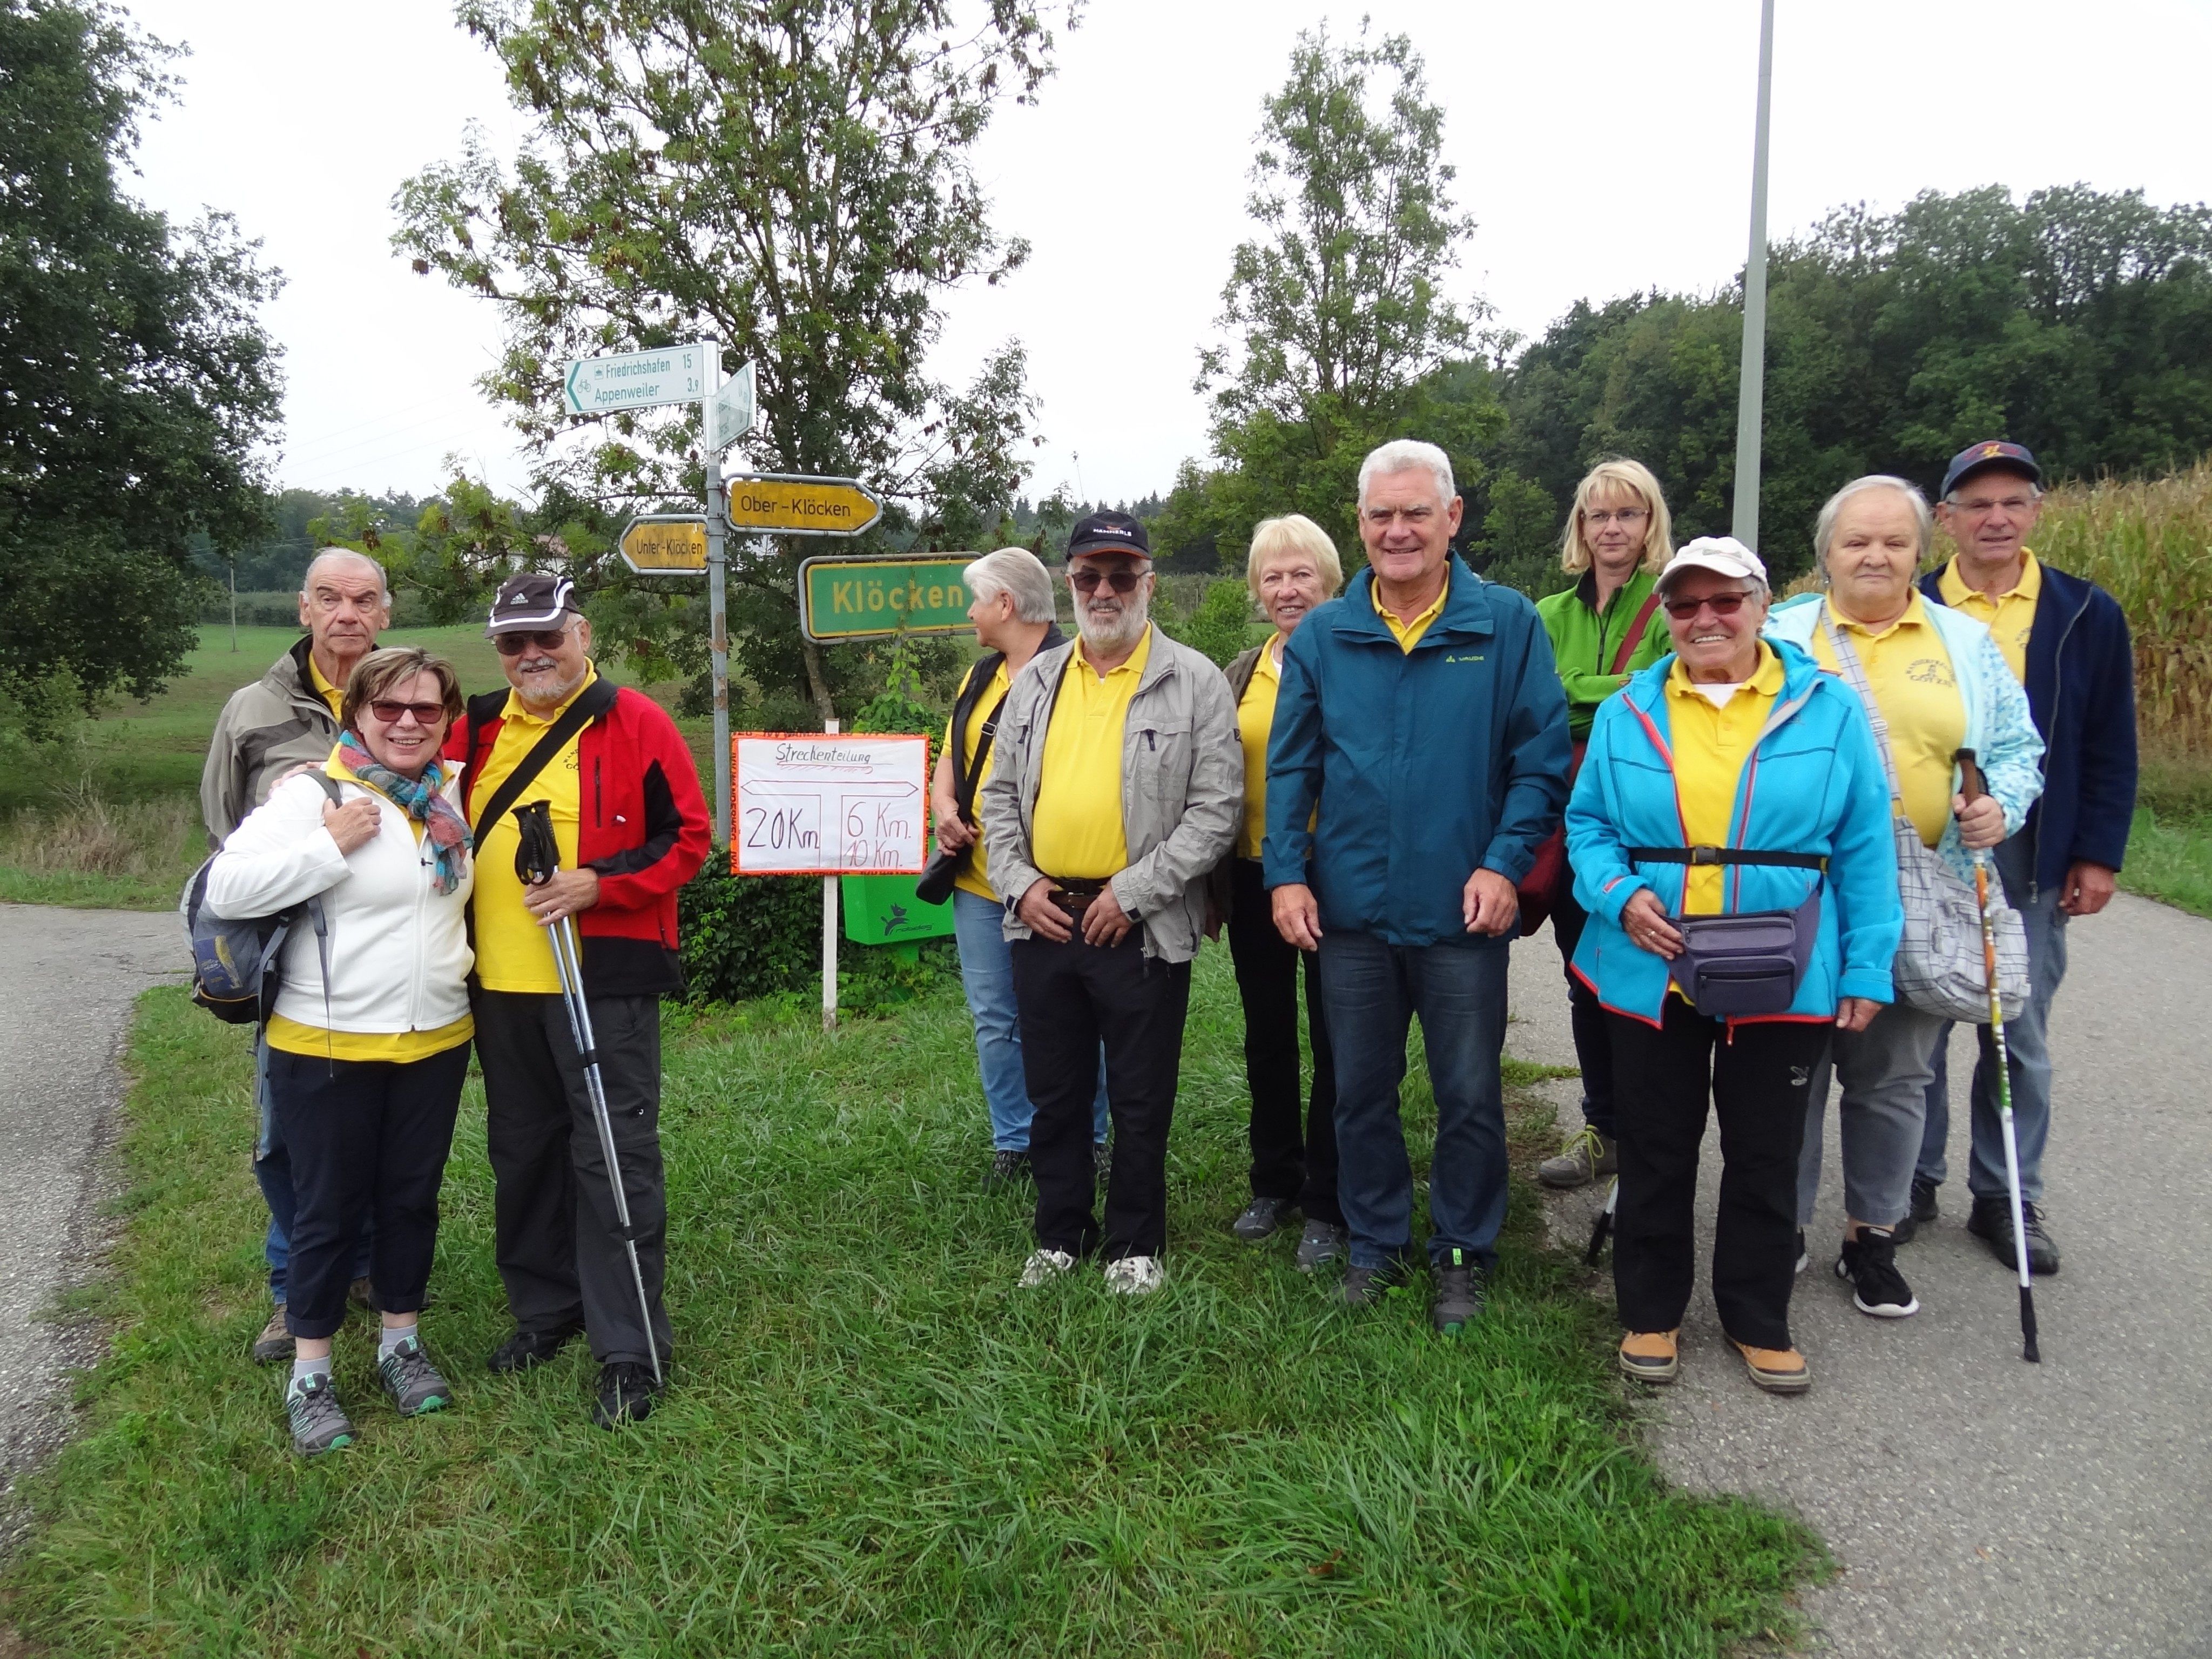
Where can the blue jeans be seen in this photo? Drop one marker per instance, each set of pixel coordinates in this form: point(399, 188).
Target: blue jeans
point(2028, 1042)
point(1373, 989)
point(987, 974)
point(272, 1170)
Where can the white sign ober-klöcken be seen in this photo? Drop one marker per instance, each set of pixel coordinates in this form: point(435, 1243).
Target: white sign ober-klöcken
point(810, 804)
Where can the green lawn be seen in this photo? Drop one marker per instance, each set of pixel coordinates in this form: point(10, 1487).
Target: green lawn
point(875, 1443)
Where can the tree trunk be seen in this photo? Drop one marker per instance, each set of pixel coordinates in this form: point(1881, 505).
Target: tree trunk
point(812, 654)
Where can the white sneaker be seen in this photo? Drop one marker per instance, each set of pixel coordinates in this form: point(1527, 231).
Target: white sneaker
point(1043, 1267)
point(1135, 1275)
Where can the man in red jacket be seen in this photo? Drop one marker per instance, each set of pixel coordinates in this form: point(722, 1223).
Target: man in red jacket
point(632, 827)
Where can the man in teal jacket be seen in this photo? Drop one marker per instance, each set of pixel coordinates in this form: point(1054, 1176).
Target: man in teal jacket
point(1421, 730)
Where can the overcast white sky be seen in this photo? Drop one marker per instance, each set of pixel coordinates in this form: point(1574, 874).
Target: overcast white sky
point(1603, 147)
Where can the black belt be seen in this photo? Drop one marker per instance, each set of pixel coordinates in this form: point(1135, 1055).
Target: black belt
point(1725, 855)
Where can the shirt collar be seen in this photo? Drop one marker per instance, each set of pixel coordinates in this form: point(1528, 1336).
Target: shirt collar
point(1915, 616)
point(1952, 586)
point(1765, 680)
point(1375, 592)
point(1134, 664)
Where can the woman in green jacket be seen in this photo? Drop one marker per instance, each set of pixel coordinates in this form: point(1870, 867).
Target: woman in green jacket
point(1603, 632)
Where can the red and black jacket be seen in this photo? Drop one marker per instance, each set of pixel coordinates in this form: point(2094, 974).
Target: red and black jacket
point(643, 826)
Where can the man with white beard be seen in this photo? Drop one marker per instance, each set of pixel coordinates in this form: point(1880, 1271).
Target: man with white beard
point(1119, 784)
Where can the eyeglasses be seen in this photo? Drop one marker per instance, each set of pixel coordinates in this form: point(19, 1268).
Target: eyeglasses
point(425, 714)
point(513, 645)
point(1122, 581)
point(1624, 517)
point(1723, 604)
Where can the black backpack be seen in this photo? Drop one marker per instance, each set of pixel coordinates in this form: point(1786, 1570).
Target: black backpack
point(237, 965)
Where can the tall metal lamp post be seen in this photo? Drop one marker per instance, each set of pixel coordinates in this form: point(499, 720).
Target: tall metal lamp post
point(1752, 394)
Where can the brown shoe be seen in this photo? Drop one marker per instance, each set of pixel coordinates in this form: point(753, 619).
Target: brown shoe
point(274, 1342)
point(1586, 1156)
point(1777, 1370)
point(1649, 1356)
point(362, 1295)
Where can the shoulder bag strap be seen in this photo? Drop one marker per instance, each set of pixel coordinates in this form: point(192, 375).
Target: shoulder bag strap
point(595, 700)
point(1848, 660)
point(1635, 633)
point(966, 799)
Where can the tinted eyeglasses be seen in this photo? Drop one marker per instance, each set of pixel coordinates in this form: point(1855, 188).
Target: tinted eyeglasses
point(391, 713)
point(1723, 604)
point(513, 645)
point(1086, 581)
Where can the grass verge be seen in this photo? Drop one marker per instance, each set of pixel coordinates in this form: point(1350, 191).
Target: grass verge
point(875, 1445)
point(2170, 843)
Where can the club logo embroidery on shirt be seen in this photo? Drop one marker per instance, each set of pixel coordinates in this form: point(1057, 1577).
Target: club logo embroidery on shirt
point(1930, 671)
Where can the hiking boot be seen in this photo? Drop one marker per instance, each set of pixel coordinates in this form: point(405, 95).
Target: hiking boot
point(1869, 1262)
point(1650, 1356)
point(1924, 1209)
point(362, 1294)
point(1586, 1156)
point(1006, 1167)
point(527, 1348)
point(1135, 1275)
point(412, 1381)
point(1323, 1241)
point(1365, 1286)
point(318, 1422)
point(1262, 1219)
point(1777, 1370)
point(627, 1392)
point(1459, 1287)
point(274, 1342)
point(1045, 1266)
point(1991, 1219)
point(1102, 1160)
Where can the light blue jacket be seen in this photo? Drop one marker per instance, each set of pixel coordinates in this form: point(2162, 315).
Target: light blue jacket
point(1999, 728)
point(1813, 783)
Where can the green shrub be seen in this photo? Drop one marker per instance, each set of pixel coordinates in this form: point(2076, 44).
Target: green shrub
point(748, 936)
point(1220, 628)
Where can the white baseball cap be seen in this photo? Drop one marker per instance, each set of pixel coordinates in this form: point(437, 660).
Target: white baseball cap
point(1724, 556)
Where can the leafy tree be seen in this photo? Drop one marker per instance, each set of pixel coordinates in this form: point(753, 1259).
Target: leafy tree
point(1221, 625)
point(134, 377)
point(790, 178)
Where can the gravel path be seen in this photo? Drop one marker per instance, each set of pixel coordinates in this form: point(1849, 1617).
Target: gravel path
point(1978, 1505)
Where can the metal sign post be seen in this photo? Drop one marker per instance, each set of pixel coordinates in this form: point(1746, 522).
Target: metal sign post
point(829, 933)
point(1750, 407)
point(718, 641)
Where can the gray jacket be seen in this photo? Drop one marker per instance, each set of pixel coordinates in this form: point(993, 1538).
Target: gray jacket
point(1182, 791)
point(264, 730)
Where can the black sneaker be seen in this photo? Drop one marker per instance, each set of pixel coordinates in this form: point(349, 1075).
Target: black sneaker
point(1869, 1261)
point(1262, 1219)
point(1924, 1209)
point(1006, 1167)
point(1991, 1219)
point(412, 1381)
point(1459, 1294)
point(527, 1348)
point(627, 1392)
point(318, 1422)
point(1365, 1286)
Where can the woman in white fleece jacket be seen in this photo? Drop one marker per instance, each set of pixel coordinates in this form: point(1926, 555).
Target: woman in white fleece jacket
point(365, 1067)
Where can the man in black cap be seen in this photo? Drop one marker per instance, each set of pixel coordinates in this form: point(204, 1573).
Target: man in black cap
point(2067, 641)
point(632, 827)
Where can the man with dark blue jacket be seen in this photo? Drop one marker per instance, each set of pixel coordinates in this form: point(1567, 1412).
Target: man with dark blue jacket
point(1421, 732)
point(2067, 640)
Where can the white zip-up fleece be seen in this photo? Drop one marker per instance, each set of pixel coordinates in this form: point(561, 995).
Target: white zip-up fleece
point(399, 949)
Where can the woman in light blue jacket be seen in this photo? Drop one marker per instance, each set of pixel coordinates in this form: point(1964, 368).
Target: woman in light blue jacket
point(1938, 684)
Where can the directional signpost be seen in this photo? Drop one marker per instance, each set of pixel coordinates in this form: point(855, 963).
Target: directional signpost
point(666, 545)
point(791, 505)
point(855, 598)
point(637, 380)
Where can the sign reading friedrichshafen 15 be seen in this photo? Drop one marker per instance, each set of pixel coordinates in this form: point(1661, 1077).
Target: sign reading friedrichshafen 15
point(865, 599)
point(635, 380)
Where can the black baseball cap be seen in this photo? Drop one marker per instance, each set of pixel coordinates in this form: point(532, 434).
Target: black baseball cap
point(1980, 457)
point(1108, 532)
point(532, 601)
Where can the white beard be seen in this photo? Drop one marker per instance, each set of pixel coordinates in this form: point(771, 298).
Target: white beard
point(1121, 632)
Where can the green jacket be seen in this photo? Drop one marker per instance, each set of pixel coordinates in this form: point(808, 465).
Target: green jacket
point(1585, 640)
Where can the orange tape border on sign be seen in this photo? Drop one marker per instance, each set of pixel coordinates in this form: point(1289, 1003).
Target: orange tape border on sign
point(928, 827)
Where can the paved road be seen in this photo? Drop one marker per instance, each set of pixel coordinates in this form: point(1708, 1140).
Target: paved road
point(66, 978)
point(1977, 1505)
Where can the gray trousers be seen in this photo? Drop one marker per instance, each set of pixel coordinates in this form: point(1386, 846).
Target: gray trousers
point(1884, 1071)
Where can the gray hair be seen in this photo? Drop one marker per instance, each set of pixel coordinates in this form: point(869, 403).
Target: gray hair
point(328, 554)
point(1020, 575)
point(1408, 455)
point(1823, 526)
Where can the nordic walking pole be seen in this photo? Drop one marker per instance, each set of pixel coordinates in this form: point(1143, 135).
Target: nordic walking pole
point(1970, 778)
point(1603, 1225)
point(537, 860)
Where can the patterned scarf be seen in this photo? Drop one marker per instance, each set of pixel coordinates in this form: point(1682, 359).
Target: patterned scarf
point(444, 829)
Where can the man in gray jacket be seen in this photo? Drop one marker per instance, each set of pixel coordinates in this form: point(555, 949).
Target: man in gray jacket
point(288, 718)
point(1118, 785)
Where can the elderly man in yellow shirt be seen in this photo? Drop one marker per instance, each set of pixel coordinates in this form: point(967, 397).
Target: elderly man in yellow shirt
point(1117, 787)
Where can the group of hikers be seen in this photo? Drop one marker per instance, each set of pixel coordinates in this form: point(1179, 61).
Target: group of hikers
point(1414, 769)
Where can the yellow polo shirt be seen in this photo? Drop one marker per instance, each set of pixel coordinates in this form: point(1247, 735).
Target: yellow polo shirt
point(513, 952)
point(1917, 692)
point(329, 693)
point(977, 877)
point(1076, 830)
point(1408, 634)
point(1256, 720)
point(1711, 746)
point(2009, 616)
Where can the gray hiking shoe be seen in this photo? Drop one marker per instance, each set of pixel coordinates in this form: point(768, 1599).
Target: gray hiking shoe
point(1102, 1160)
point(412, 1381)
point(1365, 1286)
point(1262, 1219)
point(1586, 1156)
point(1323, 1241)
point(274, 1342)
point(1460, 1289)
point(318, 1422)
point(1006, 1167)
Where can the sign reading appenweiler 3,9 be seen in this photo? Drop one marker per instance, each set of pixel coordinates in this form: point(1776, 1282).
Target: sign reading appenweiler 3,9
point(859, 598)
point(817, 803)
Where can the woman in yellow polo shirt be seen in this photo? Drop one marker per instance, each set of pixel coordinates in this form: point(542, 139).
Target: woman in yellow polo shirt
point(369, 1041)
point(1293, 567)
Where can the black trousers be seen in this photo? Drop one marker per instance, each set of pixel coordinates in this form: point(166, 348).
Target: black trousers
point(1298, 1169)
point(556, 1234)
point(1592, 1038)
point(1072, 997)
point(367, 1138)
point(1759, 1080)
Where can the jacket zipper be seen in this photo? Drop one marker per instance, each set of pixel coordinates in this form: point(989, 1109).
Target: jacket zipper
point(2043, 765)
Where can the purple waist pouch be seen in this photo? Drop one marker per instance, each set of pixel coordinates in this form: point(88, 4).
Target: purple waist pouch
point(1735, 966)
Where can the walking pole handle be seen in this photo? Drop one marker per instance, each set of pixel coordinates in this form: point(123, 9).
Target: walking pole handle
point(1970, 776)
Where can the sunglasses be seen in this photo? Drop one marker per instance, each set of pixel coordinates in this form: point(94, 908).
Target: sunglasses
point(425, 714)
point(1122, 581)
point(513, 645)
point(1723, 604)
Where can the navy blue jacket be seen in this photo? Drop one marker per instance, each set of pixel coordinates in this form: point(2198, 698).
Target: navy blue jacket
point(2081, 691)
point(1425, 765)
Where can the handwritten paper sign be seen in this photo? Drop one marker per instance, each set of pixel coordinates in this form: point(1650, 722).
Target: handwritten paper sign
point(813, 804)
